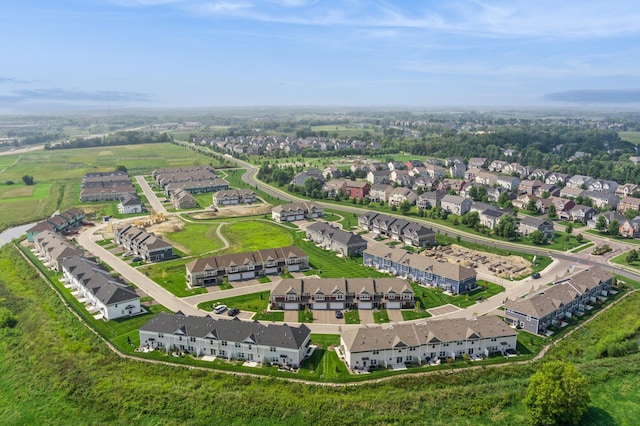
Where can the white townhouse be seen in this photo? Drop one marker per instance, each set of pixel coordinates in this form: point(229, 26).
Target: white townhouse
point(424, 342)
point(275, 344)
point(296, 211)
point(100, 291)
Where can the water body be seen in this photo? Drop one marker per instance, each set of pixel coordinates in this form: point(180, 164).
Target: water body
point(11, 233)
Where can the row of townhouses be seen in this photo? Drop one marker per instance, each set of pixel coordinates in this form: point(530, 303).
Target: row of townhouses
point(422, 269)
point(393, 344)
point(105, 186)
point(296, 211)
point(229, 197)
point(243, 266)
point(52, 249)
point(410, 233)
point(275, 344)
point(142, 243)
point(548, 307)
point(164, 177)
point(60, 223)
point(336, 239)
point(101, 293)
point(342, 293)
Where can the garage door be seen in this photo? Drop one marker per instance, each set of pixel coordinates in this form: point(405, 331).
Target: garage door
point(271, 271)
point(248, 275)
point(299, 217)
point(320, 306)
point(291, 306)
point(293, 268)
point(365, 305)
point(336, 305)
point(393, 305)
point(234, 277)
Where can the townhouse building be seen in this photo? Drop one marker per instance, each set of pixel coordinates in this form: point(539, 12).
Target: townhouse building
point(342, 293)
point(544, 309)
point(215, 270)
point(147, 245)
point(296, 211)
point(272, 344)
point(336, 239)
point(422, 269)
point(383, 346)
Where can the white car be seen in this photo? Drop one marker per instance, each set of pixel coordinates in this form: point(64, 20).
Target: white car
point(220, 309)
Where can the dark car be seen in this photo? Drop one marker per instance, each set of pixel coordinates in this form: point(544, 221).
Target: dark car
point(339, 314)
point(535, 275)
point(233, 312)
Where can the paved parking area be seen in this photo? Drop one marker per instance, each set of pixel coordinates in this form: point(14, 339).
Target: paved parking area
point(327, 317)
point(366, 316)
point(395, 315)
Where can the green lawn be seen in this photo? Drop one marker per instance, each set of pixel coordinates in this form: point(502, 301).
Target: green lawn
point(255, 235)
point(254, 302)
point(197, 238)
point(269, 316)
point(630, 136)
point(428, 298)
point(172, 276)
point(414, 314)
point(380, 316)
point(305, 316)
point(352, 317)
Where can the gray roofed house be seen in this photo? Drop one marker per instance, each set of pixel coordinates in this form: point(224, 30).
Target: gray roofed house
point(296, 211)
point(425, 270)
point(242, 266)
point(425, 342)
point(276, 344)
point(455, 204)
point(130, 203)
point(428, 200)
point(542, 310)
point(335, 239)
point(53, 248)
point(101, 292)
point(142, 243)
point(529, 224)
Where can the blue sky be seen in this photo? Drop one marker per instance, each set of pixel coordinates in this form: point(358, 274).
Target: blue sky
point(198, 53)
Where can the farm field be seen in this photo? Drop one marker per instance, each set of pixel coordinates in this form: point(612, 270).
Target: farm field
point(58, 173)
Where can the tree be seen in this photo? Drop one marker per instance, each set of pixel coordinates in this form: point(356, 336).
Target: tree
point(569, 228)
point(503, 199)
point(506, 227)
point(405, 206)
point(537, 237)
point(579, 238)
point(28, 180)
point(121, 168)
point(7, 319)
point(531, 205)
point(601, 223)
point(614, 228)
point(553, 213)
point(471, 219)
point(632, 256)
point(631, 213)
point(557, 394)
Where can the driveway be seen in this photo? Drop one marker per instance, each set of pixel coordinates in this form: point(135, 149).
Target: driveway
point(366, 316)
point(290, 316)
point(326, 317)
point(395, 315)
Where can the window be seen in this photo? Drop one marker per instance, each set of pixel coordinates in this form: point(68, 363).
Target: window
point(291, 297)
point(365, 296)
point(339, 296)
point(376, 351)
point(251, 267)
point(233, 268)
point(319, 296)
point(223, 343)
point(409, 358)
point(237, 344)
point(272, 349)
point(459, 343)
point(412, 348)
point(223, 353)
point(493, 339)
point(442, 354)
point(192, 339)
point(391, 296)
point(190, 348)
point(445, 344)
point(160, 335)
point(374, 362)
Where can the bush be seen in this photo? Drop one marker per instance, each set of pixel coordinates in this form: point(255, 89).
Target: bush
point(7, 319)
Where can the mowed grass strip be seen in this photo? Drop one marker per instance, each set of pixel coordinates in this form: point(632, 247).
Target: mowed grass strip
point(255, 235)
point(254, 302)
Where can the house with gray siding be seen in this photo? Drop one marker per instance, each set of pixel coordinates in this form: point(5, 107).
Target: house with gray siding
point(422, 269)
point(335, 239)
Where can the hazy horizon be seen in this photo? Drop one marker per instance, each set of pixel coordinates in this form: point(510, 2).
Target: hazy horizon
point(116, 54)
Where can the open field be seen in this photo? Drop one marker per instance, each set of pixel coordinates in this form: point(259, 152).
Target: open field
point(633, 137)
point(78, 378)
point(196, 238)
point(255, 302)
point(58, 174)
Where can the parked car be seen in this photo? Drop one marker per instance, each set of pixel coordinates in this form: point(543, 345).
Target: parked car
point(233, 312)
point(535, 275)
point(220, 309)
point(339, 314)
point(136, 259)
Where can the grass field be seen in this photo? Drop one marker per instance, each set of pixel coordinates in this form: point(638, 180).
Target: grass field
point(197, 238)
point(255, 302)
point(431, 297)
point(633, 137)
